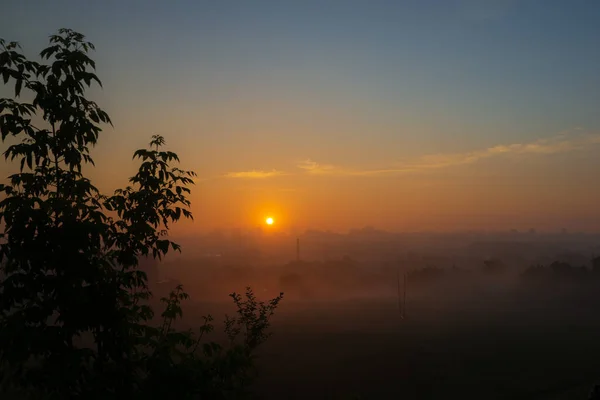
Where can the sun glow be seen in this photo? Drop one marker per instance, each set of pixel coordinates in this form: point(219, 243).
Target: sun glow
point(269, 221)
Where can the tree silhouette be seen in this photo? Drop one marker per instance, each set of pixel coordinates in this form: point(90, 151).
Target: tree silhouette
point(69, 255)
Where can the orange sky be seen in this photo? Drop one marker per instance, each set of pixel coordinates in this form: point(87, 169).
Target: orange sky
point(548, 185)
point(402, 116)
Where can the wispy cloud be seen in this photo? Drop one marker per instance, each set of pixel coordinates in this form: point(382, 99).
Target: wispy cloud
point(560, 144)
point(255, 174)
point(314, 168)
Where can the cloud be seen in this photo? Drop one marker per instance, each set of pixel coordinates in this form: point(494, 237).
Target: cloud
point(562, 143)
point(255, 174)
point(314, 168)
point(559, 144)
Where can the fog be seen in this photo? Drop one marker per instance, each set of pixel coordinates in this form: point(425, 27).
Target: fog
point(372, 314)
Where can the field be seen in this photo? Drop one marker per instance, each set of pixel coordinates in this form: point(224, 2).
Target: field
point(504, 347)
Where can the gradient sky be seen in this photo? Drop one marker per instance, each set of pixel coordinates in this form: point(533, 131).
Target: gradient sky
point(404, 115)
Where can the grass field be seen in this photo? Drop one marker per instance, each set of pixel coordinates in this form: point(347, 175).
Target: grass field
point(492, 349)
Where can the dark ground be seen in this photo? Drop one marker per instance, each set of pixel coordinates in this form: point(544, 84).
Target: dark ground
point(509, 347)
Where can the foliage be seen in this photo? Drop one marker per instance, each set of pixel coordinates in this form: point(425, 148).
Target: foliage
point(69, 255)
point(181, 366)
point(560, 273)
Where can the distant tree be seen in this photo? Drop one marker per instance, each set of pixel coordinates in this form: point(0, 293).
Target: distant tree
point(493, 266)
point(558, 272)
point(70, 255)
point(535, 273)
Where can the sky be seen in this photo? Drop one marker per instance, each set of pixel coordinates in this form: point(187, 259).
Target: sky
point(403, 115)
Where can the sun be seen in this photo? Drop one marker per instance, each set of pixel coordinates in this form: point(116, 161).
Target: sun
point(269, 221)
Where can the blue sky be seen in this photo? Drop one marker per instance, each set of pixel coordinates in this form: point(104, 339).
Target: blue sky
point(362, 85)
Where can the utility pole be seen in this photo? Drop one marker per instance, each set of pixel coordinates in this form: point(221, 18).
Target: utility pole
point(404, 298)
point(298, 249)
point(402, 294)
point(399, 297)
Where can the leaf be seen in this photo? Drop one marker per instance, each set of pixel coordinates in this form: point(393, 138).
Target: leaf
point(18, 86)
point(163, 246)
point(94, 116)
point(208, 349)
